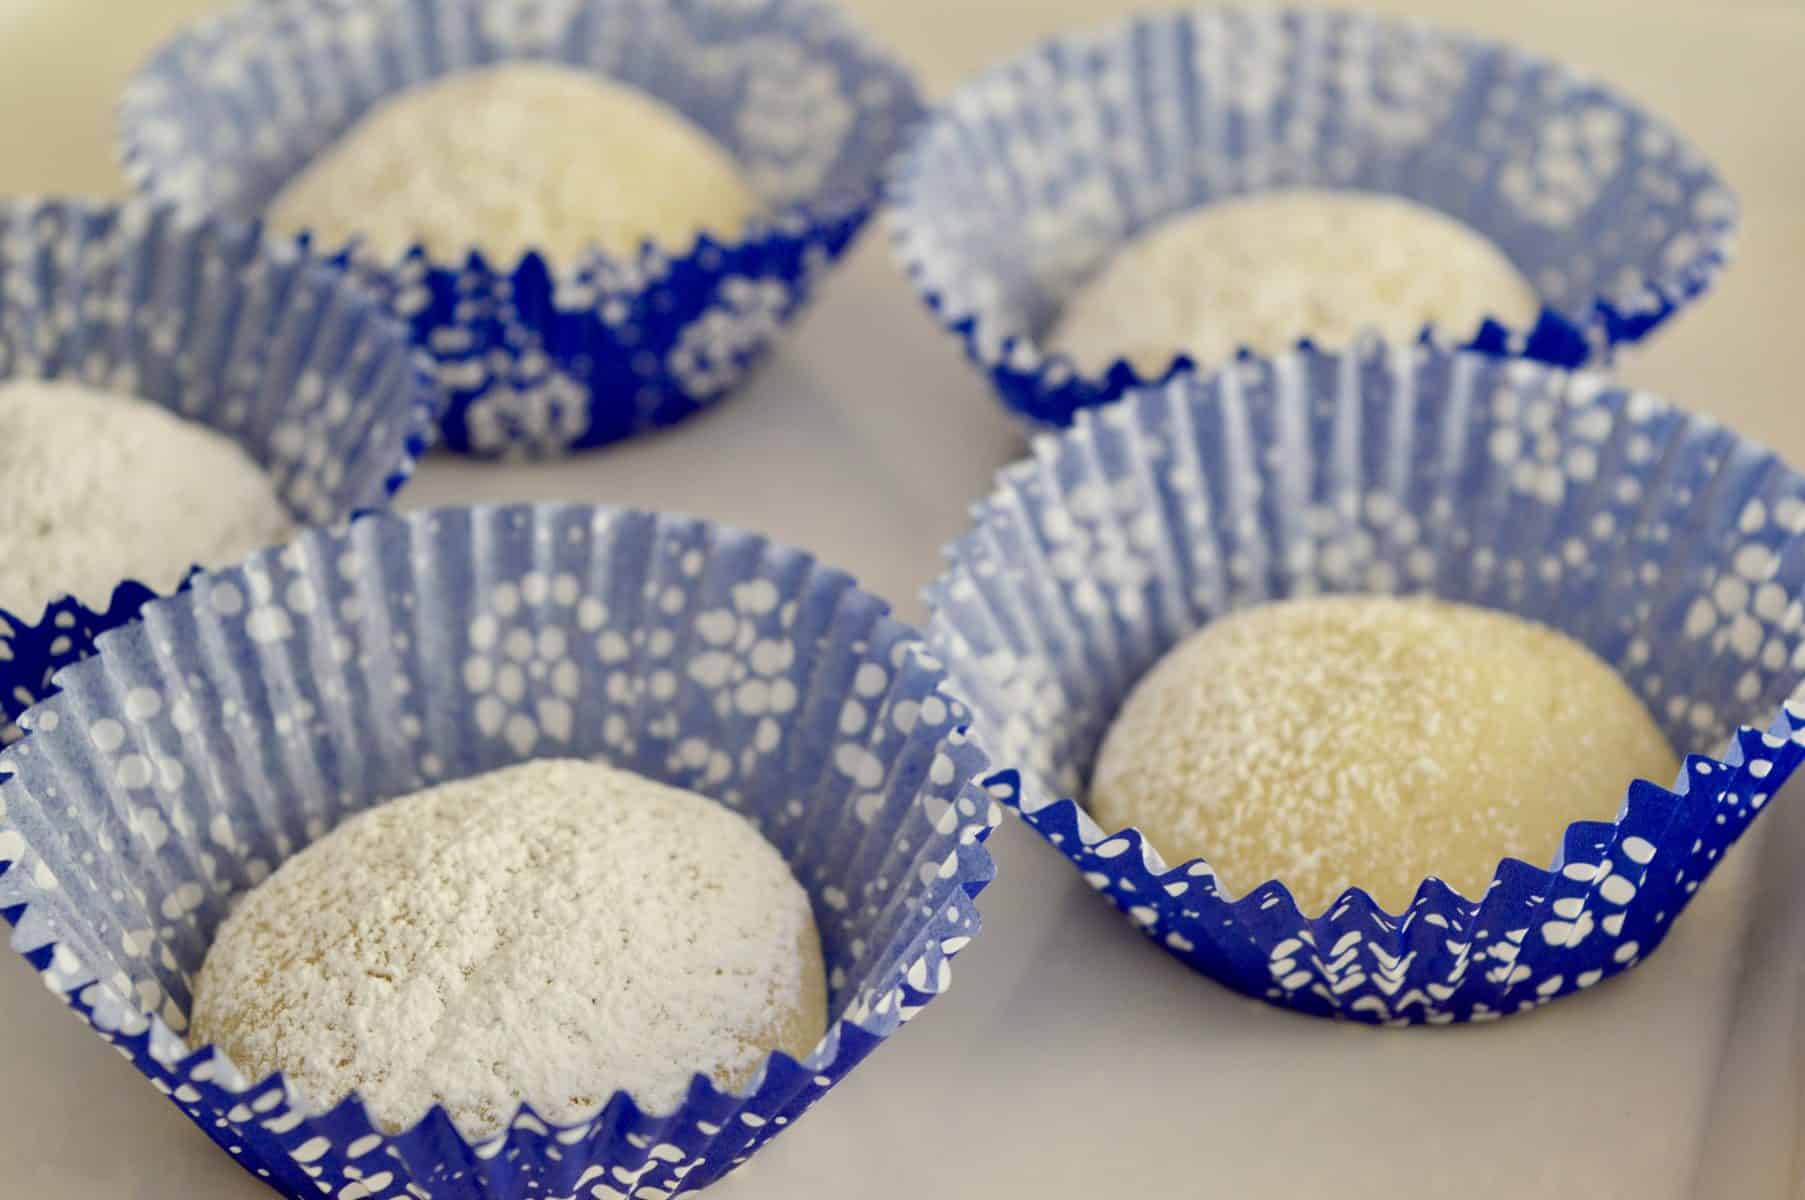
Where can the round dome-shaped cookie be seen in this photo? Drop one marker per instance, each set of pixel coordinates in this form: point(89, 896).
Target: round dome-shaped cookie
point(100, 486)
point(546, 933)
point(1265, 270)
point(473, 160)
point(1371, 741)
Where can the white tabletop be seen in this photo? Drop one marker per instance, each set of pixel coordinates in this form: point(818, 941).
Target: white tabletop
point(1071, 1058)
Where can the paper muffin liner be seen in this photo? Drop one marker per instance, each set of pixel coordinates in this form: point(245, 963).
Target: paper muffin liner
point(245, 717)
point(255, 340)
point(542, 357)
point(1668, 545)
point(1033, 174)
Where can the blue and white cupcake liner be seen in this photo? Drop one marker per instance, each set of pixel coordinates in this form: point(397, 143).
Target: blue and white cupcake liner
point(1033, 174)
point(242, 719)
point(546, 357)
point(1670, 546)
point(297, 364)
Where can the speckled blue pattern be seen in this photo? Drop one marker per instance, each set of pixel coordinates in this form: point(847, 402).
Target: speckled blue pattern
point(30, 654)
point(245, 717)
point(1668, 545)
point(542, 358)
point(1027, 180)
point(297, 364)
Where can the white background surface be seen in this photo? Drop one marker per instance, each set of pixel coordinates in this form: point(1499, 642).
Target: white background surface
point(1071, 1058)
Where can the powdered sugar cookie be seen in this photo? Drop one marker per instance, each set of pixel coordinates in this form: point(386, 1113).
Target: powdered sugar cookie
point(102, 487)
point(521, 156)
point(1370, 741)
point(546, 933)
point(1263, 271)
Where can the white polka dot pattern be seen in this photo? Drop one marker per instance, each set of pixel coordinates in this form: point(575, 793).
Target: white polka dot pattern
point(546, 357)
point(294, 362)
point(1033, 174)
point(1669, 546)
point(244, 718)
